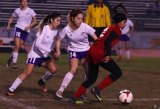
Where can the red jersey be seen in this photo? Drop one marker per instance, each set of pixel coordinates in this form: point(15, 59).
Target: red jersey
point(97, 52)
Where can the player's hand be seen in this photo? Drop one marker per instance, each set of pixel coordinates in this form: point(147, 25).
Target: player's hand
point(8, 28)
point(106, 58)
point(27, 28)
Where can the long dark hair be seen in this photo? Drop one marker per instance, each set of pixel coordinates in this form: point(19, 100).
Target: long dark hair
point(120, 9)
point(48, 19)
point(120, 13)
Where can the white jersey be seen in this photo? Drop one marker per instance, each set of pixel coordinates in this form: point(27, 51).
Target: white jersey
point(126, 29)
point(78, 39)
point(43, 43)
point(24, 17)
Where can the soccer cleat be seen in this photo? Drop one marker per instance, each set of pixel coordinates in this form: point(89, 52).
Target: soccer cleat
point(14, 66)
point(9, 93)
point(59, 94)
point(9, 62)
point(75, 101)
point(84, 96)
point(42, 86)
point(96, 92)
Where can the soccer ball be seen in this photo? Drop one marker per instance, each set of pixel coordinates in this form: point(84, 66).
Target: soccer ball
point(125, 96)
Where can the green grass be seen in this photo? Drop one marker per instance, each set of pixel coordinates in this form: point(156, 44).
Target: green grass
point(140, 75)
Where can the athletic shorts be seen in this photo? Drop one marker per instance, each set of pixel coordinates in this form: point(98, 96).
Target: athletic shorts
point(37, 61)
point(21, 34)
point(124, 37)
point(78, 55)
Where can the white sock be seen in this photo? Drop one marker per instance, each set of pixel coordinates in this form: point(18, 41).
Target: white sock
point(15, 84)
point(128, 54)
point(47, 76)
point(15, 56)
point(66, 80)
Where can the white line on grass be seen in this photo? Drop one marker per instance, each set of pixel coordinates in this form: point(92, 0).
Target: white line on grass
point(66, 99)
point(16, 103)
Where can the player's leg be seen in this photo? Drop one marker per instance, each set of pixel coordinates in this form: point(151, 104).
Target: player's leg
point(115, 71)
point(84, 64)
point(120, 50)
point(69, 75)
point(92, 77)
point(128, 53)
point(19, 39)
point(14, 56)
point(19, 80)
point(52, 68)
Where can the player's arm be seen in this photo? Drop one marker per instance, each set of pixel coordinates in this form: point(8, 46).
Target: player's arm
point(58, 47)
point(9, 23)
point(94, 36)
point(131, 29)
point(108, 45)
point(33, 23)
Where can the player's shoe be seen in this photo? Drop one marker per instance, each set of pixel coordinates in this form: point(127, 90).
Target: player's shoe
point(14, 66)
point(9, 62)
point(59, 94)
point(84, 96)
point(96, 92)
point(75, 101)
point(42, 86)
point(9, 93)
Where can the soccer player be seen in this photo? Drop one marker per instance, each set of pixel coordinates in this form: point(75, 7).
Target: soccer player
point(100, 55)
point(26, 19)
point(77, 33)
point(39, 53)
point(125, 38)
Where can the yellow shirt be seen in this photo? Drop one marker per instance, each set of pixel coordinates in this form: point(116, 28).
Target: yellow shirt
point(98, 16)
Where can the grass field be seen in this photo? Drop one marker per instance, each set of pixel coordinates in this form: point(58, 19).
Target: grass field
point(140, 75)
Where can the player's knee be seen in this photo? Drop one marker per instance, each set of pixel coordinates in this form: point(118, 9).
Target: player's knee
point(16, 49)
point(53, 70)
point(73, 71)
point(87, 83)
point(116, 76)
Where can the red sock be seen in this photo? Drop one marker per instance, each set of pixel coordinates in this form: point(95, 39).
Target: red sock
point(106, 82)
point(81, 90)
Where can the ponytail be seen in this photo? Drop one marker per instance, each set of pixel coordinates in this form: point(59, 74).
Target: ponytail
point(43, 22)
point(119, 14)
point(119, 6)
point(48, 19)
